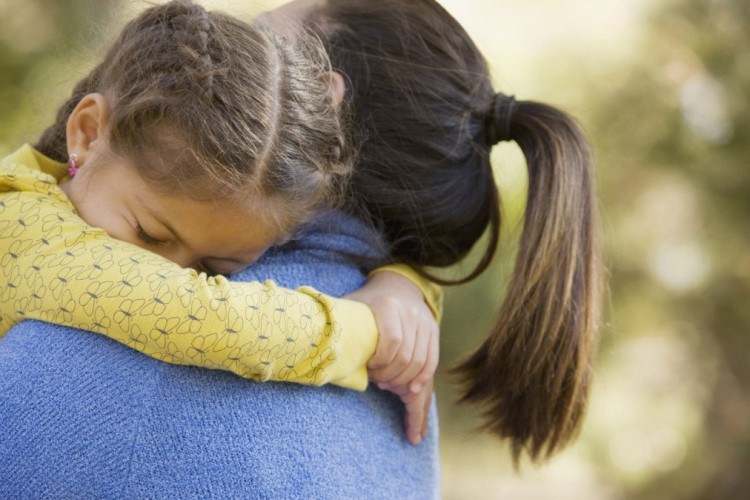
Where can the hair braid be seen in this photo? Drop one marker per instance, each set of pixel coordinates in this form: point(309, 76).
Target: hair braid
point(192, 30)
point(213, 107)
point(298, 127)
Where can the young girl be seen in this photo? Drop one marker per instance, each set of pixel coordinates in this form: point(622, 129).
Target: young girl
point(203, 140)
point(420, 92)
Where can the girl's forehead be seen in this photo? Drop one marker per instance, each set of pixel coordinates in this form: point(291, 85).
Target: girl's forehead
point(227, 227)
point(236, 228)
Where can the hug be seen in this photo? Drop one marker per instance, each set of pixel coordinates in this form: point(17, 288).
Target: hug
point(218, 271)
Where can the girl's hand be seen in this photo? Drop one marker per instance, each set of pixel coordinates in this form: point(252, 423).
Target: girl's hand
point(408, 347)
point(416, 418)
point(407, 353)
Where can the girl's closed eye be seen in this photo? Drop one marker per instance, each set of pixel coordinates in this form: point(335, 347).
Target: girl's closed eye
point(145, 237)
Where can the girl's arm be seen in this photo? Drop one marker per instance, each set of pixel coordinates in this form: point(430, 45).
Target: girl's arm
point(58, 269)
point(407, 353)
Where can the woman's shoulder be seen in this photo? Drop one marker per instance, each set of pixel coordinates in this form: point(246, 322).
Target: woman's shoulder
point(86, 413)
point(92, 414)
point(72, 405)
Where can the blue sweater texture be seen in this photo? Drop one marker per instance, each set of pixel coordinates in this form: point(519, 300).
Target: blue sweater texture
point(86, 417)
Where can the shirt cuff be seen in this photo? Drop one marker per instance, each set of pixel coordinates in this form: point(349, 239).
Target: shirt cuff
point(355, 338)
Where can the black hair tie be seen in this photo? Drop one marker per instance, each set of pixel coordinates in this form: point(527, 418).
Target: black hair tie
point(500, 119)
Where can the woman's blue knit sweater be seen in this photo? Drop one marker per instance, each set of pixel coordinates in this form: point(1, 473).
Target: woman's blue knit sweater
point(85, 417)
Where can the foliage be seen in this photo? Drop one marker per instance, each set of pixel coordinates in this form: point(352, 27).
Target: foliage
point(674, 144)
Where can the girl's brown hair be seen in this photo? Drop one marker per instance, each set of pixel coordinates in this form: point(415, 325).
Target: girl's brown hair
point(197, 96)
point(421, 96)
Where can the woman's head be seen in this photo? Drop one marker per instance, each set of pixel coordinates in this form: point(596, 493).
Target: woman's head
point(418, 92)
point(420, 95)
point(209, 107)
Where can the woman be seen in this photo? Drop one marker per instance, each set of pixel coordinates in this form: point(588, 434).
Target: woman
point(87, 417)
point(63, 387)
point(420, 93)
point(140, 428)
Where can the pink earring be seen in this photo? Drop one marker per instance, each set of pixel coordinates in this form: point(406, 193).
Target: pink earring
point(73, 162)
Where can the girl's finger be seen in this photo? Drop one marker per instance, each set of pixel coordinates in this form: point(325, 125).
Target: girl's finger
point(419, 357)
point(390, 339)
point(431, 363)
point(426, 409)
point(414, 420)
point(400, 361)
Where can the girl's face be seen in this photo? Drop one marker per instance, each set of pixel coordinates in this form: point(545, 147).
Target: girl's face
point(219, 237)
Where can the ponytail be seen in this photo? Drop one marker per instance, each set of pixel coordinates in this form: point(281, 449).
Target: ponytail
point(531, 375)
point(421, 95)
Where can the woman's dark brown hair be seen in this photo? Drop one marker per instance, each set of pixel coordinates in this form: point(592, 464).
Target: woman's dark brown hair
point(211, 106)
point(421, 96)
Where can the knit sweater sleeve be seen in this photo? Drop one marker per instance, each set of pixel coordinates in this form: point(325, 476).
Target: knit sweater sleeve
point(58, 269)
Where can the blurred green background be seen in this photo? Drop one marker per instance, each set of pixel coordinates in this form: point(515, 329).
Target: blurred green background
point(662, 88)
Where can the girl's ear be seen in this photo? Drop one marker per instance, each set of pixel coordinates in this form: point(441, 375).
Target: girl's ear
point(338, 87)
point(86, 126)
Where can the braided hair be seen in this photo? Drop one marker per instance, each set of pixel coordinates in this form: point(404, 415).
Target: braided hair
point(196, 96)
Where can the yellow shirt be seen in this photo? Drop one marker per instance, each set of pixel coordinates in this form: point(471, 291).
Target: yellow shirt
point(56, 268)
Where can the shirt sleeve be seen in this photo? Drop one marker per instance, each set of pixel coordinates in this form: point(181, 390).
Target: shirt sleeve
point(58, 269)
point(433, 294)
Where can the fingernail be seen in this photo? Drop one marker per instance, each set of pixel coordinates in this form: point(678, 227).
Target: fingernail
point(415, 388)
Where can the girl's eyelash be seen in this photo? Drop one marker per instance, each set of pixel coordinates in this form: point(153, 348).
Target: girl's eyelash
point(145, 237)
